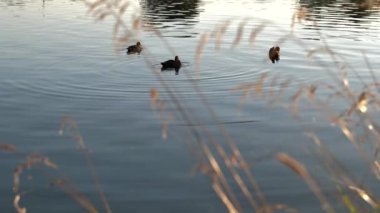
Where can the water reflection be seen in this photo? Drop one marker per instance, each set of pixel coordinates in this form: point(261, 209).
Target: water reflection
point(346, 19)
point(353, 10)
point(11, 3)
point(176, 71)
point(172, 14)
point(172, 65)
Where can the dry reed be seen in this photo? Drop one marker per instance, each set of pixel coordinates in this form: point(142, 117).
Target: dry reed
point(222, 161)
point(70, 124)
point(72, 192)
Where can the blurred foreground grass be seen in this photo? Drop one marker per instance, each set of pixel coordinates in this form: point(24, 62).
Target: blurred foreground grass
point(231, 176)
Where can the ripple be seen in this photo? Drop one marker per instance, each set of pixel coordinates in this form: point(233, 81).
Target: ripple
point(103, 81)
point(90, 74)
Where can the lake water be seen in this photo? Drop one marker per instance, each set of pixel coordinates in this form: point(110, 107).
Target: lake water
point(57, 61)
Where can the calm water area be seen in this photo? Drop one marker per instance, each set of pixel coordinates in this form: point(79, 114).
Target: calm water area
point(56, 60)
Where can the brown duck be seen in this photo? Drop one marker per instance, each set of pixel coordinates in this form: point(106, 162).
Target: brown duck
point(134, 48)
point(274, 54)
point(171, 64)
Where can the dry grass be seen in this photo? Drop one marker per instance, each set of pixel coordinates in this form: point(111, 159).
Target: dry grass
point(70, 125)
point(352, 120)
point(47, 168)
point(221, 160)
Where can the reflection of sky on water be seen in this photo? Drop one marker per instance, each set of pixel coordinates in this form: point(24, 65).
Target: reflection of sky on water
point(178, 16)
point(277, 11)
point(57, 60)
point(12, 3)
point(158, 11)
point(344, 19)
point(188, 18)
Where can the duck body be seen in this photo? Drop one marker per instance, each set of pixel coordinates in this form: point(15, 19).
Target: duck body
point(137, 48)
point(274, 54)
point(171, 64)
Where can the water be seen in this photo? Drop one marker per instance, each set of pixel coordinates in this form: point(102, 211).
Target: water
point(56, 61)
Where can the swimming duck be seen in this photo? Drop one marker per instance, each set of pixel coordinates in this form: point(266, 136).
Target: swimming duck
point(274, 54)
point(172, 64)
point(134, 48)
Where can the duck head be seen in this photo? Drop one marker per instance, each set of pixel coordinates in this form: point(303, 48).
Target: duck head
point(277, 50)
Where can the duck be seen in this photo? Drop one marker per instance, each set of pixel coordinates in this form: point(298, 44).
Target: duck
point(171, 64)
point(134, 48)
point(274, 54)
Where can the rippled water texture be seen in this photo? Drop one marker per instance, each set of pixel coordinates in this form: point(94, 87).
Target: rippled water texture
point(56, 61)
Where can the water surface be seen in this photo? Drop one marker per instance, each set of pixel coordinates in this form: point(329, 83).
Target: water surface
point(56, 61)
